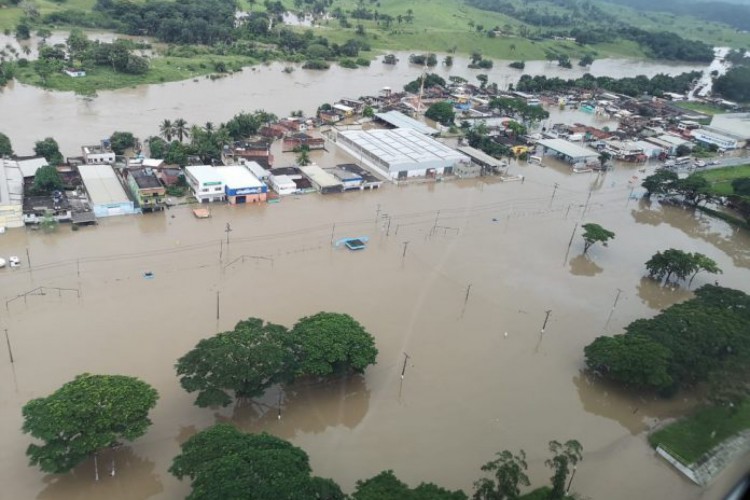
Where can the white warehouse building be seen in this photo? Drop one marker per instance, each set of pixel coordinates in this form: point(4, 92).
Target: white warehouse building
point(400, 153)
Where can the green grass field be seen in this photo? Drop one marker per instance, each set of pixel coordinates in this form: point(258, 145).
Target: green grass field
point(693, 436)
point(701, 107)
point(721, 178)
point(163, 69)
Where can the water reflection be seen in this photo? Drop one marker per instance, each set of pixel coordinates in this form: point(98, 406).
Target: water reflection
point(635, 412)
point(305, 407)
point(734, 242)
point(583, 266)
point(134, 478)
point(658, 296)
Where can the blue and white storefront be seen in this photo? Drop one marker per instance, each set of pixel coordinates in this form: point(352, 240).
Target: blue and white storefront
point(241, 186)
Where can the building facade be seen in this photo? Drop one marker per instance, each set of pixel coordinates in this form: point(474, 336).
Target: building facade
point(206, 183)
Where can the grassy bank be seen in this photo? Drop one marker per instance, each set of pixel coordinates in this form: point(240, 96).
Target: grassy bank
point(163, 69)
point(721, 178)
point(701, 107)
point(697, 434)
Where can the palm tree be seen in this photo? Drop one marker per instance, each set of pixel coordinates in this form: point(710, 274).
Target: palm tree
point(303, 157)
point(166, 129)
point(181, 129)
point(209, 128)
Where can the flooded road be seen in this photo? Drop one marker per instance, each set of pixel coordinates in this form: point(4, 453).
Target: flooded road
point(469, 390)
point(30, 113)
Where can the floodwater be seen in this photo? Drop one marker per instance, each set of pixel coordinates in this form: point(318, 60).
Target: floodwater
point(469, 390)
point(31, 113)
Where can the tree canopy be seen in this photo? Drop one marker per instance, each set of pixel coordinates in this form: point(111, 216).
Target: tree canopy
point(509, 474)
point(430, 80)
point(564, 456)
point(5, 147)
point(121, 141)
point(386, 486)
point(332, 343)
point(687, 343)
point(594, 233)
point(50, 150)
point(86, 415)
point(224, 463)
point(680, 264)
point(247, 361)
point(46, 180)
point(441, 112)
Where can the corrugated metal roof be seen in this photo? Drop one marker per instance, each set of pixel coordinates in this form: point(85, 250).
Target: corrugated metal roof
point(320, 176)
point(236, 177)
point(568, 148)
point(481, 156)
point(400, 120)
point(102, 184)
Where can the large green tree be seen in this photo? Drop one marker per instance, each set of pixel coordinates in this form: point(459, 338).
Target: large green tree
point(634, 360)
point(699, 340)
point(6, 149)
point(594, 233)
point(441, 112)
point(246, 361)
point(50, 150)
point(671, 262)
point(84, 416)
point(122, 141)
point(386, 486)
point(46, 180)
point(333, 343)
point(224, 463)
point(564, 456)
point(662, 182)
point(509, 474)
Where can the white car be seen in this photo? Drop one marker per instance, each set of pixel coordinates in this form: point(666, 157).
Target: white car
point(14, 261)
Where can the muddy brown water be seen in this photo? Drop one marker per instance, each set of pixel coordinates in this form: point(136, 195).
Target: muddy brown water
point(31, 113)
point(469, 390)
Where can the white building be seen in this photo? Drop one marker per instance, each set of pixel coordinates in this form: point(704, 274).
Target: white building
point(255, 168)
point(108, 197)
point(282, 184)
point(709, 135)
point(98, 155)
point(206, 183)
point(11, 194)
point(322, 180)
point(241, 186)
point(400, 153)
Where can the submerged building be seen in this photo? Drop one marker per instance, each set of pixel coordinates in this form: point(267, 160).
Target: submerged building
point(108, 197)
point(401, 153)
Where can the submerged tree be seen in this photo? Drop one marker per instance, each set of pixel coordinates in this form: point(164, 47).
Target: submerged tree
point(672, 262)
point(594, 233)
point(85, 416)
point(246, 361)
point(223, 462)
point(564, 457)
point(509, 473)
point(5, 147)
point(46, 180)
point(386, 486)
point(333, 343)
point(50, 150)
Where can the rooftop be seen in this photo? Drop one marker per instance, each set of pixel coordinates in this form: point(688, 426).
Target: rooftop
point(238, 177)
point(11, 183)
point(402, 147)
point(567, 148)
point(481, 156)
point(320, 176)
point(204, 173)
point(255, 168)
point(102, 184)
point(29, 166)
point(145, 179)
point(400, 120)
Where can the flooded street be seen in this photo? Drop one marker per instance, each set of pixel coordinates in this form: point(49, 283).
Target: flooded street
point(32, 113)
point(469, 390)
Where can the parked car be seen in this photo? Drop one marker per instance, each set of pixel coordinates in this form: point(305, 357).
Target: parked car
point(699, 164)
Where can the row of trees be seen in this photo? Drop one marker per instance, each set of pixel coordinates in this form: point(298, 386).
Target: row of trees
point(632, 86)
point(705, 339)
point(255, 355)
point(680, 265)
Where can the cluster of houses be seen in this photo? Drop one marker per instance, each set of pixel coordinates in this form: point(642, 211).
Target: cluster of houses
point(384, 143)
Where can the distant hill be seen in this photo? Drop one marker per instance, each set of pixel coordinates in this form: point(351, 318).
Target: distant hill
point(734, 13)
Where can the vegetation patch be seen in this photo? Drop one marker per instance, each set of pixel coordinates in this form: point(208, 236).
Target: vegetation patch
point(721, 179)
point(694, 436)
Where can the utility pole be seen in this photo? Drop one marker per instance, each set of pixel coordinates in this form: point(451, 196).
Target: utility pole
point(403, 256)
point(388, 230)
point(434, 226)
point(570, 243)
point(554, 190)
point(279, 415)
point(377, 213)
point(571, 479)
point(546, 318)
point(10, 349)
point(586, 206)
point(612, 310)
point(228, 230)
point(333, 231)
point(403, 370)
point(466, 299)
point(217, 305)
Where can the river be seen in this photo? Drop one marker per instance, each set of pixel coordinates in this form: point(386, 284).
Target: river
point(469, 390)
point(30, 113)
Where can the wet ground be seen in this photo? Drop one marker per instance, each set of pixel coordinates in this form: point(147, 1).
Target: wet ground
point(469, 390)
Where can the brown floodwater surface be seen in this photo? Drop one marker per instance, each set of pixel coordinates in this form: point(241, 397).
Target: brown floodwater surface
point(469, 390)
